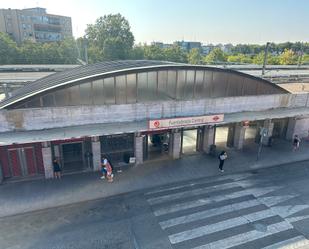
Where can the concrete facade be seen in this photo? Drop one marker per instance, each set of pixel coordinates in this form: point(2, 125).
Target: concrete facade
point(46, 118)
point(119, 125)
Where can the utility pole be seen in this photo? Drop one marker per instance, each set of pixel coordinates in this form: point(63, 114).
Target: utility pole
point(300, 55)
point(263, 133)
point(265, 58)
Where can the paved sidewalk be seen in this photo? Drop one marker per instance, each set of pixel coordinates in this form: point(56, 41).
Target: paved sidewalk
point(20, 197)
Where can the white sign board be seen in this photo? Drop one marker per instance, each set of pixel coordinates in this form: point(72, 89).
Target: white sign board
point(186, 121)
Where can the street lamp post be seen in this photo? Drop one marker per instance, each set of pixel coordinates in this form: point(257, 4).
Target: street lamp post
point(265, 58)
point(263, 133)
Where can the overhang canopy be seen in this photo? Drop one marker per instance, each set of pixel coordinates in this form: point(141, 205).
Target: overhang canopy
point(91, 130)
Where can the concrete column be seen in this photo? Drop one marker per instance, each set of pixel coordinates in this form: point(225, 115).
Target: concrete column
point(239, 136)
point(47, 162)
point(269, 126)
point(208, 139)
point(230, 135)
point(175, 144)
point(297, 126)
point(96, 153)
point(138, 149)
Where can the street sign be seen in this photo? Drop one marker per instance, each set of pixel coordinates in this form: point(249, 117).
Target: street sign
point(245, 123)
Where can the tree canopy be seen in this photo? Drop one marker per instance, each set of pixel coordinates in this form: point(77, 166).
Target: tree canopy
point(111, 37)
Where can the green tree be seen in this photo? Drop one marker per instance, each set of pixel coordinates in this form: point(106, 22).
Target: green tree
point(8, 50)
point(271, 59)
point(110, 34)
point(305, 59)
point(50, 53)
point(68, 51)
point(32, 53)
point(215, 56)
point(288, 57)
point(94, 54)
point(154, 52)
point(175, 54)
point(194, 56)
point(240, 58)
point(137, 53)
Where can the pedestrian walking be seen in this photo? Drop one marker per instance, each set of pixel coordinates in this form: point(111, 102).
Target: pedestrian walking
point(57, 169)
point(103, 167)
point(222, 157)
point(107, 170)
point(296, 142)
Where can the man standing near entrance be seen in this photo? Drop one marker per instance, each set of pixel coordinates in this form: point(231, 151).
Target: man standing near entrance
point(57, 169)
point(222, 158)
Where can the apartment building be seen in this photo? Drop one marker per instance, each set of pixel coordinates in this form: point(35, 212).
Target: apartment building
point(34, 24)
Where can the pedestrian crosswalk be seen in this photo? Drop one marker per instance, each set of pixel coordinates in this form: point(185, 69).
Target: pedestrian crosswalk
point(231, 211)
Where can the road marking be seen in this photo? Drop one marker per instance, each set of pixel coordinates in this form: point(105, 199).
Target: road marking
point(212, 228)
point(236, 177)
point(189, 193)
point(297, 218)
point(204, 201)
point(208, 213)
point(285, 211)
point(247, 237)
point(292, 243)
point(275, 200)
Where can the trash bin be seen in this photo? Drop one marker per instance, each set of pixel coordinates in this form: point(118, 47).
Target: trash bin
point(213, 150)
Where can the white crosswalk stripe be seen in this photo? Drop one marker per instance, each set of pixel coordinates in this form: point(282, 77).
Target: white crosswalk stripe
point(204, 230)
point(208, 213)
point(204, 201)
point(246, 237)
point(188, 193)
point(293, 243)
point(200, 213)
point(275, 200)
point(236, 177)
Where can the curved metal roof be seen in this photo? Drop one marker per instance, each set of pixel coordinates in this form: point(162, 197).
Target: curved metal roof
point(101, 69)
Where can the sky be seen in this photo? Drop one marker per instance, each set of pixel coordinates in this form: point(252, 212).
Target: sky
point(206, 21)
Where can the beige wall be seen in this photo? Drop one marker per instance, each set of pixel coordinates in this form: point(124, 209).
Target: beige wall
point(44, 118)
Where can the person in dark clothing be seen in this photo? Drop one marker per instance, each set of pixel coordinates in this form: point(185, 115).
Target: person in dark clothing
point(221, 158)
point(57, 169)
point(296, 142)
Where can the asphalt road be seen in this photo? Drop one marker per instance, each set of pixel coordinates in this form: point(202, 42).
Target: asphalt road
point(268, 208)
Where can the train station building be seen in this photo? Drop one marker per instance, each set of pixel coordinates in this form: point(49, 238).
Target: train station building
point(138, 111)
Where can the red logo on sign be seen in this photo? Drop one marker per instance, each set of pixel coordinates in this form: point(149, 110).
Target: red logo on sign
point(156, 124)
point(215, 118)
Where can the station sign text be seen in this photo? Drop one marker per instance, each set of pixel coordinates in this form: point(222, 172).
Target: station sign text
point(186, 121)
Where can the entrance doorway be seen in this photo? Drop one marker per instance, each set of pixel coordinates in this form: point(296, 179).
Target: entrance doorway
point(156, 145)
point(72, 156)
point(221, 135)
point(189, 141)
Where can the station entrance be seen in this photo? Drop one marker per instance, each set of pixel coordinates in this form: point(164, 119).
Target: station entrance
point(156, 145)
point(191, 140)
point(72, 156)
